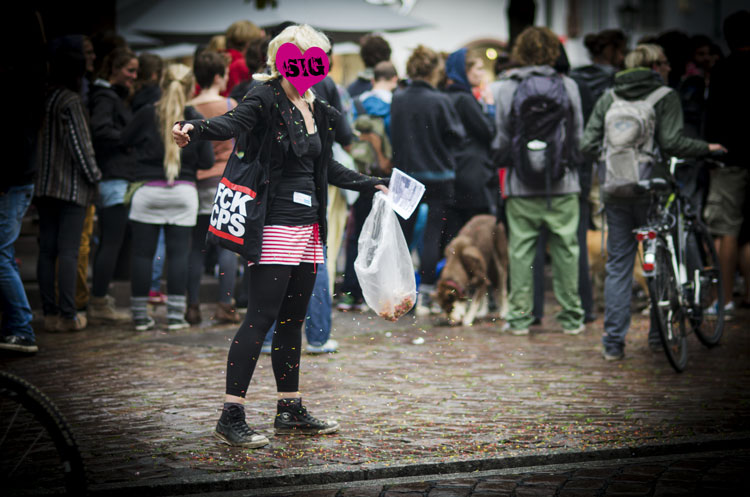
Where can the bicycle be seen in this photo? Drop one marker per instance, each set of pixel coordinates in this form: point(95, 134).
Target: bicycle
point(681, 269)
point(38, 453)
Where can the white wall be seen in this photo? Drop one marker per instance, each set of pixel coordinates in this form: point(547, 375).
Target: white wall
point(455, 24)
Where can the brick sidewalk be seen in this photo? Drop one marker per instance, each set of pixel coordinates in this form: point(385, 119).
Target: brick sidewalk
point(143, 405)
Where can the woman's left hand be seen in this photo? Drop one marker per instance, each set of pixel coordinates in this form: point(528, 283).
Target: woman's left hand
point(382, 188)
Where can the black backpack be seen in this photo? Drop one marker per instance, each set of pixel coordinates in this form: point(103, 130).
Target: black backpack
point(541, 131)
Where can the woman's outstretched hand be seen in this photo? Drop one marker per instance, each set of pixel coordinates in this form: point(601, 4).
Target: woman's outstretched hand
point(180, 134)
point(382, 188)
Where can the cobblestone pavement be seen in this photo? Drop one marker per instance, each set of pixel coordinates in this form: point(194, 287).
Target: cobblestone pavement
point(414, 394)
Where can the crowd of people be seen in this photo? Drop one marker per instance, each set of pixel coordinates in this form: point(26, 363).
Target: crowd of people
point(529, 146)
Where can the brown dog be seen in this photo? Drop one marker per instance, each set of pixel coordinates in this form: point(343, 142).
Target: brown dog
point(476, 262)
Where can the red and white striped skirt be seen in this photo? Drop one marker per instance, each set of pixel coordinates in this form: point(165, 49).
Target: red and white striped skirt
point(291, 245)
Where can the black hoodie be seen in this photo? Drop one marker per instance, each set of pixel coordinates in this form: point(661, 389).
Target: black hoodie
point(109, 116)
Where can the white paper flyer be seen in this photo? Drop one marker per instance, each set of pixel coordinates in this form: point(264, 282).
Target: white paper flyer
point(404, 193)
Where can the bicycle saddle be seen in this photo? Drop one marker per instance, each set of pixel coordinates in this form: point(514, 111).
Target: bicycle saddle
point(652, 185)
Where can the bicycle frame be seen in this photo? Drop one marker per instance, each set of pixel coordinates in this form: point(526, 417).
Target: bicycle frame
point(667, 226)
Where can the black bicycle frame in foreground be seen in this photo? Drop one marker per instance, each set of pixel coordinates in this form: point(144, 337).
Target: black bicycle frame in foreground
point(681, 269)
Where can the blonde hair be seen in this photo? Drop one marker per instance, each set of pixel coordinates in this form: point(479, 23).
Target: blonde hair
point(644, 55)
point(240, 33)
point(177, 86)
point(536, 46)
point(303, 36)
point(217, 43)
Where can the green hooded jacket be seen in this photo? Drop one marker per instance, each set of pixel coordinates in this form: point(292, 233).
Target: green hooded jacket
point(636, 84)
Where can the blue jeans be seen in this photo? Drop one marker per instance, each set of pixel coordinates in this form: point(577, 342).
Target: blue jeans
point(318, 319)
point(15, 305)
point(622, 246)
point(112, 192)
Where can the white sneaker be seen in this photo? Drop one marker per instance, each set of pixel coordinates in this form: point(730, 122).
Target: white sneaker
point(728, 310)
point(575, 331)
point(329, 347)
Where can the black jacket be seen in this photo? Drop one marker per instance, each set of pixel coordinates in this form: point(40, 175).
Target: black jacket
point(266, 112)
point(425, 131)
point(109, 116)
point(149, 94)
point(144, 137)
point(474, 169)
point(728, 107)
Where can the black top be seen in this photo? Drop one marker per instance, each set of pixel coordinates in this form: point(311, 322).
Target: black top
point(109, 116)
point(296, 203)
point(425, 131)
point(149, 94)
point(266, 112)
point(144, 137)
point(474, 169)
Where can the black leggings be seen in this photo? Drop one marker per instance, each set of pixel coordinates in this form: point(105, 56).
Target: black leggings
point(60, 228)
point(275, 292)
point(177, 241)
point(113, 222)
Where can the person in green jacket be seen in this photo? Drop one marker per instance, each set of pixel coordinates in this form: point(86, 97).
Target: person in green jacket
point(647, 71)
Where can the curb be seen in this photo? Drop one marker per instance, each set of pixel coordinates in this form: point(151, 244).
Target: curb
point(354, 473)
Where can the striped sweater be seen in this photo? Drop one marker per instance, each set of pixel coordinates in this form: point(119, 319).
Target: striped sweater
point(67, 164)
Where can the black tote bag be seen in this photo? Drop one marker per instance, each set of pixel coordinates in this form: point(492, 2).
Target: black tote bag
point(239, 208)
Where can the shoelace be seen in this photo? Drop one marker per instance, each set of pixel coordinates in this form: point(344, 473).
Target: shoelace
point(241, 427)
point(309, 418)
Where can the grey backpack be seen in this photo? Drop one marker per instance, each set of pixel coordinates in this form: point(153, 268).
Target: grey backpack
point(629, 151)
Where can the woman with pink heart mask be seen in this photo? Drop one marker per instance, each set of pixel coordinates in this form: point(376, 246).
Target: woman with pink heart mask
point(281, 127)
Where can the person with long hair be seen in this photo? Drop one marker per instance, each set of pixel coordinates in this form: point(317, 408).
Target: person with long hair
point(110, 113)
point(167, 197)
point(298, 130)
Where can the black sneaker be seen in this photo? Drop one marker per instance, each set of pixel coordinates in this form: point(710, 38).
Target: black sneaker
point(232, 429)
point(292, 418)
point(18, 344)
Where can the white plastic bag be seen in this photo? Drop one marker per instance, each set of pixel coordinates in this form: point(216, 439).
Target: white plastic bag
point(383, 265)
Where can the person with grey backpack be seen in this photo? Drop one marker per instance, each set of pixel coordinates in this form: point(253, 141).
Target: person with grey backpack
point(633, 128)
point(539, 124)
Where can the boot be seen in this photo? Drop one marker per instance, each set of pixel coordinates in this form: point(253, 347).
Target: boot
point(292, 418)
point(232, 429)
point(103, 309)
point(226, 313)
point(193, 314)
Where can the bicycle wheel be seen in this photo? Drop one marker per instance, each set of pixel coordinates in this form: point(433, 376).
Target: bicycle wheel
point(706, 314)
point(38, 454)
point(669, 315)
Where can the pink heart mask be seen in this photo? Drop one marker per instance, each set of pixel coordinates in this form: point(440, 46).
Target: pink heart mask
point(302, 71)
